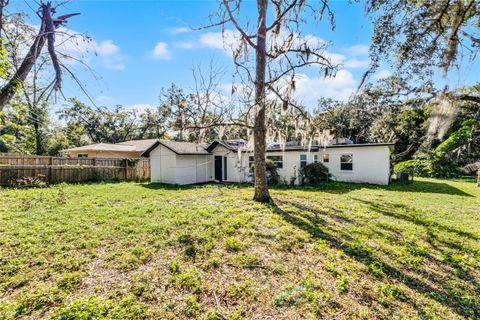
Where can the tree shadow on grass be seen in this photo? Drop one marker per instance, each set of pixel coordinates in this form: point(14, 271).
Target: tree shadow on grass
point(459, 299)
point(329, 187)
point(428, 187)
point(399, 211)
point(416, 186)
point(167, 186)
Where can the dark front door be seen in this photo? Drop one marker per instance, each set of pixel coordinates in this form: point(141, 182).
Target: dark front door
point(218, 168)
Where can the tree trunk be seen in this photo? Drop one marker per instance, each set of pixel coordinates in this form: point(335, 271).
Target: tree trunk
point(38, 139)
point(3, 3)
point(259, 130)
point(9, 90)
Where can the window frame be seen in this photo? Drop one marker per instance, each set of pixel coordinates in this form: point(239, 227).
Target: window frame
point(343, 163)
point(326, 158)
point(278, 163)
point(251, 161)
point(82, 155)
point(303, 162)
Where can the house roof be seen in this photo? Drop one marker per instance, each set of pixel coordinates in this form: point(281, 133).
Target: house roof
point(314, 148)
point(179, 147)
point(104, 147)
point(189, 148)
point(292, 148)
point(356, 145)
point(126, 146)
point(140, 145)
point(228, 145)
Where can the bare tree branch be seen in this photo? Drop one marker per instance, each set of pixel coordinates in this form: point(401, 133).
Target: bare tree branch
point(45, 33)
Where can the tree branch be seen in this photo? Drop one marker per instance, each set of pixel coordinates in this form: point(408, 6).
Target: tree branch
point(280, 16)
point(235, 23)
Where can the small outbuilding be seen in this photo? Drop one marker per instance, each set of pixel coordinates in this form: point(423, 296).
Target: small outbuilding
point(179, 162)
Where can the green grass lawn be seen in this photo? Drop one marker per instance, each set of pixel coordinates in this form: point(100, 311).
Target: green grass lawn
point(141, 251)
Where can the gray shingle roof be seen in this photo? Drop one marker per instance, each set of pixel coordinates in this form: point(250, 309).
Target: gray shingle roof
point(314, 148)
point(180, 147)
point(103, 147)
point(140, 145)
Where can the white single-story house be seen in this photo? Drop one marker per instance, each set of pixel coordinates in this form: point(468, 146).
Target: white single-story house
point(189, 163)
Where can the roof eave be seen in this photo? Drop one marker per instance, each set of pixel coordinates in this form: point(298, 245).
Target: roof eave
point(215, 144)
point(146, 153)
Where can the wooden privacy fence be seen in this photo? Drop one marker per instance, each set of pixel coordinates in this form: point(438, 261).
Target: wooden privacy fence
point(56, 170)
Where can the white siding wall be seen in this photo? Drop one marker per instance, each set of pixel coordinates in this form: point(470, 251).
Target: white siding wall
point(370, 164)
point(291, 164)
point(237, 169)
point(186, 169)
point(163, 163)
point(204, 168)
point(168, 167)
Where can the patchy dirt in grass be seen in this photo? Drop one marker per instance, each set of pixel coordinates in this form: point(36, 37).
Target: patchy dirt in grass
point(141, 251)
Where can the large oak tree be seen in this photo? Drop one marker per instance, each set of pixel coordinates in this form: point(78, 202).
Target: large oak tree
point(267, 51)
point(420, 38)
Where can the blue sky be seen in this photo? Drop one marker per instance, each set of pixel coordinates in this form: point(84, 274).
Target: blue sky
point(142, 46)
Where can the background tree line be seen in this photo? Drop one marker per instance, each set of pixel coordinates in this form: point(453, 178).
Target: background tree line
point(420, 126)
point(436, 130)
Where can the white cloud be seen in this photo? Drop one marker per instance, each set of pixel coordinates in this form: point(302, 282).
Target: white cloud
point(76, 47)
point(110, 54)
point(212, 40)
point(356, 63)
point(179, 30)
point(140, 108)
point(345, 62)
point(161, 51)
point(382, 74)
point(216, 40)
point(357, 50)
point(105, 100)
point(229, 39)
point(335, 58)
point(107, 47)
point(314, 41)
point(310, 90)
point(183, 44)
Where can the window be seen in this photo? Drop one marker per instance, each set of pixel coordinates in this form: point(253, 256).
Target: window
point(346, 162)
point(250, 162)
point(326, 157)
point(315, 158)
point(277, 160)
point(303, 160)
point(82, 155)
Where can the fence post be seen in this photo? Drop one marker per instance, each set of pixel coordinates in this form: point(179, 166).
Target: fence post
point(125, 163)
point(94, 171)
point(50, 164)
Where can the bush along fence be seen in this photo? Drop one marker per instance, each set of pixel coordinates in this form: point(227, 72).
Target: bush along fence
point(18, 168)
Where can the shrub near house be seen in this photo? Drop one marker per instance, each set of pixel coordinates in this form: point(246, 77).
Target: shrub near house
point(314, 173)
point(430, 168)
point(273, 178)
